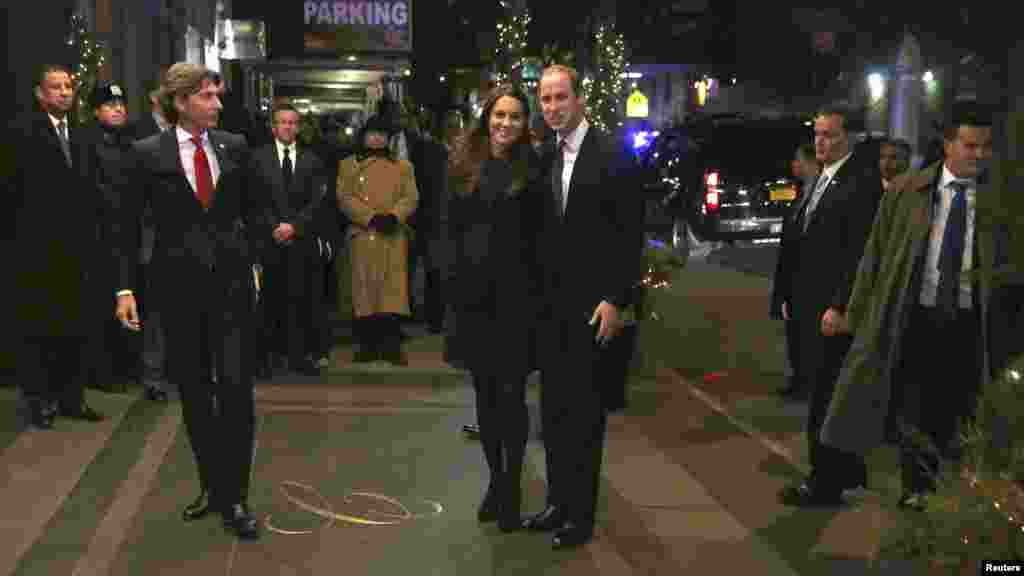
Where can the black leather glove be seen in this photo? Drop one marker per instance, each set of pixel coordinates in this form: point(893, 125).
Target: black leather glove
point(384, 223)
point(377, 223)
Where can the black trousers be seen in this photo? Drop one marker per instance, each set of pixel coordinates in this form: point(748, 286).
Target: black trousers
point(433, 307)
point(378, 333)
point(49, 370)
point(293, 306)
point(573, 421)
point(504, 426)
point(151, 361)
point(832, 469)
point(219, 417)
point(939, 376)
point(793, 378)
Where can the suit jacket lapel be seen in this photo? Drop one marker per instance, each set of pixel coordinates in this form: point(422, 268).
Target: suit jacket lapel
point(170, 158)
point(51, 133)
point(921, 217)
point(579, 166)
point(829, 192)
point(805, 197)
point(224, 161)
point(273, 166)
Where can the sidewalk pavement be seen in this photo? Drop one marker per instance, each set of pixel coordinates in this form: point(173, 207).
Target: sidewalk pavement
point(688, 486)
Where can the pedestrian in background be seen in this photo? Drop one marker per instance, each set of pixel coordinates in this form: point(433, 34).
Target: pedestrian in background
point(821, 246)
point(805, 169)
point(378, 194)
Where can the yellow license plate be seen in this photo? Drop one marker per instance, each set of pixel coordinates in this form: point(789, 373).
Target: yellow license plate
point(782, 193)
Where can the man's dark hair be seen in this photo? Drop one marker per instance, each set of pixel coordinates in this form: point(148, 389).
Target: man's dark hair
point(966, 113)
point(283, 107)
point(806, 151)
point(852, 119)
point(574, 78)
point(44, 70)
point(901, 144)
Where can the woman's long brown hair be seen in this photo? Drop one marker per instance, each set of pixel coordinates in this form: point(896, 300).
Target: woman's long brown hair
point(475, 148)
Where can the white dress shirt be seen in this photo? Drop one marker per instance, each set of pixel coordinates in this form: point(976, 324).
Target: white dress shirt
point(570, 151)
point(292, 153)
point(187, 150)
point(943, 202)
point(56, 122)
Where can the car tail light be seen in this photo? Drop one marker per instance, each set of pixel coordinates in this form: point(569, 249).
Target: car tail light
point(712, 190)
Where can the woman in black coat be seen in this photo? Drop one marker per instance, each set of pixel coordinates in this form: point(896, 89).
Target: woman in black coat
point(496, 212)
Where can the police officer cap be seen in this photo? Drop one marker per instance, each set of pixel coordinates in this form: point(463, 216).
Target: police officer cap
point(107, 92)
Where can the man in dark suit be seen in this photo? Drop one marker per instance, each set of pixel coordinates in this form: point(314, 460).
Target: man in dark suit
point(926, 348)
point(152, 369)
point(430, 163)
point(591, 247)
point(56, 213)
point(822, 243)
point(293, 180)
point(153, 122)
point(208, 226)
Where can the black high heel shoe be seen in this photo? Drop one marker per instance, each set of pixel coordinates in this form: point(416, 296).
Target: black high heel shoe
point(489, 508)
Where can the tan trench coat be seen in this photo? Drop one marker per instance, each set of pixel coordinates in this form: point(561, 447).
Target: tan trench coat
point(379, 263)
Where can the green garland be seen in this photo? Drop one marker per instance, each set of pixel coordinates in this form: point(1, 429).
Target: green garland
point(513, 32)
point(659, 263)
point(604, 93)
point(91, 58)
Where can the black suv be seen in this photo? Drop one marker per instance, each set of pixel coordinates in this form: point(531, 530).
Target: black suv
point(726, 177)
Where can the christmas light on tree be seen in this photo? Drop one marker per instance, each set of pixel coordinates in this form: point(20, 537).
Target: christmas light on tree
point(604, 93)
point(513, 31)
point(91, 58)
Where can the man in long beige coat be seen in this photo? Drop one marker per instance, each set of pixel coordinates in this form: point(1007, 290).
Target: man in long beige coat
point(378, 193)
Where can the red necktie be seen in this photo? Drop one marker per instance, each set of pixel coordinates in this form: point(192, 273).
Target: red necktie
point(204, 178)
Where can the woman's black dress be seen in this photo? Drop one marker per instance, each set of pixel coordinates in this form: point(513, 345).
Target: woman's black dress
point(496, 302)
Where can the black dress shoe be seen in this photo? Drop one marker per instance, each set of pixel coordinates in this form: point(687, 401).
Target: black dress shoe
point(488, 511)
point(570, 536)
point(304, 368)
point(805, 495)
point(240, 521)
point(156, 394)
point(84, 412)
point(198, 508)
point(551, 518)
point(41, 417)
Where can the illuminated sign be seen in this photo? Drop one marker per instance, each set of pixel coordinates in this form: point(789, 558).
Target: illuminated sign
point(357, 26)
point(636, 105)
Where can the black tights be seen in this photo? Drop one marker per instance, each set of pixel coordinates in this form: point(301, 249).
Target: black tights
point(504, 425)
point(379, 333)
